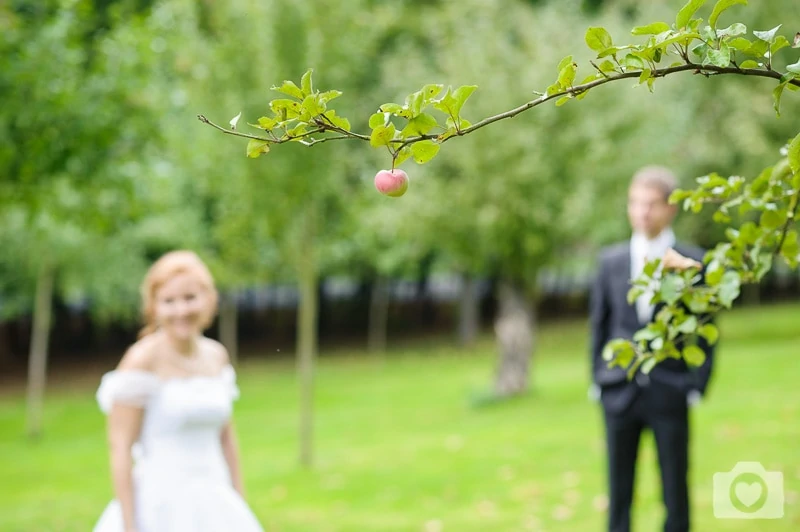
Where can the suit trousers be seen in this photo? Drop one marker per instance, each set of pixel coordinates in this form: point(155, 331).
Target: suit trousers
point(670, 428)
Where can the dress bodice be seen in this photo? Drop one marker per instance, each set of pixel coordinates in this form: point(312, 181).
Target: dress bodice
point(180, 478)
point(182, 423)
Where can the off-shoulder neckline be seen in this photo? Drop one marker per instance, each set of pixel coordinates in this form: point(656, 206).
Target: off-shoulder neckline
point(226, 369)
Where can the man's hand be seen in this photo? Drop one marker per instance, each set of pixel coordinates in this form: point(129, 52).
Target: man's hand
point(693, 398)
point(675, 261)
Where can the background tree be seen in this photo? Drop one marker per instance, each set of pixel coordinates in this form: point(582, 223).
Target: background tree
point(79, 213)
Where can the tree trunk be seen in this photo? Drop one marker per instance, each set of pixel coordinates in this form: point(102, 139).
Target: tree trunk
point(228, 325)
point(751, 294)
point(378, 315)
point(468, 311)
point(514, 330)
point(37, 359)
point(308, 277)
point(6, 358)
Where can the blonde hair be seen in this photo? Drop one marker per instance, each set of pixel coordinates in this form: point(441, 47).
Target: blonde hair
point(165, 268)
point(657, 177)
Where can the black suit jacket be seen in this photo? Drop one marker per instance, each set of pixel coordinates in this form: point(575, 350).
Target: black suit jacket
point(611, 316)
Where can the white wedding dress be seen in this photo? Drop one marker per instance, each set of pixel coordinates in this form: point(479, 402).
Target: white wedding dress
point(181, 479)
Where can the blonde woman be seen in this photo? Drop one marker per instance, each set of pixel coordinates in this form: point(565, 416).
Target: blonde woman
point(173, 450)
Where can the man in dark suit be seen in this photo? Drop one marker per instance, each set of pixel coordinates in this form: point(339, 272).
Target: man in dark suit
point(661, 399)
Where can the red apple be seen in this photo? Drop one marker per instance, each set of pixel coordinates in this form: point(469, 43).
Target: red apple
point(392, 183)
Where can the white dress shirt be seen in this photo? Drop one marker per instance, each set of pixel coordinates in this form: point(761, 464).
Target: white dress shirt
point(642, 250)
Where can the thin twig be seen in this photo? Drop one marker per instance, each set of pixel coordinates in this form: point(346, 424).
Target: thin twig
point(598, 69)
point(311, 142)
point(233, 132)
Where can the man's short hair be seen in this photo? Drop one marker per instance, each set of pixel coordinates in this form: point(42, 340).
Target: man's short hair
point(658, 177)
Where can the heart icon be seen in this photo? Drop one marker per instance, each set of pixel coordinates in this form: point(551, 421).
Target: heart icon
point(748, 493)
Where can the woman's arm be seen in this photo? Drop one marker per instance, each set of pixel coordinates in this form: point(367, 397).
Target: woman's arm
point(124, 424)
point(230, 448)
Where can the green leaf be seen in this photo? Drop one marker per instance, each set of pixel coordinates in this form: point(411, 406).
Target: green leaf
point(327, 96)
point(740, 43)
point(721, 218)
point(612, 50)
point(266, 123)
point(764, 265)
point(598, 39)
point(553, 89)
point(285, 108)
point(419, 125)
point(377, 119)
point(633, 61)
point(311, 106)
point(693, 355)
point(791, 246)
point(646, 334)
point(633, 294)
point(699, 303)
point(710, 332)
point(415, 102)
point(749, 233)
point(780, 43)
point(305, 82)
point(461, 94)
point(338, 121)
point(758, 49)
point(721, 6)
point(298, 131)
point(671, 287)
point(402, 155)
point(256, 147)
point(729, 288)
point(735, 29)
point(645, 75)
point(768, 36)
point(651, 29)
point(777, 92)
point(794, 68)
point(651, 266)
point(564, 62)
point(607, 66)
point(771, 220)
point(567, 75)
point(721, 57)
point(431, 91)
point(708, 34)
point(289, 88)
point(688, 326)
point(794, 155)
point(393, 108)
point(687, 11)
point(683, 38)
point(561, 101)
point(648, 365)
point(749, 63)
point(382, 135)
point(619, 352)
point(424, 151)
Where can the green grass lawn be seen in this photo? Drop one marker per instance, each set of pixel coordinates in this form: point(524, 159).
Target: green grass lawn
point(399, 446)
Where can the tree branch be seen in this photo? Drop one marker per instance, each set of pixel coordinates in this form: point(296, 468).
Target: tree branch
point(626, 75)
point(572, 91)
